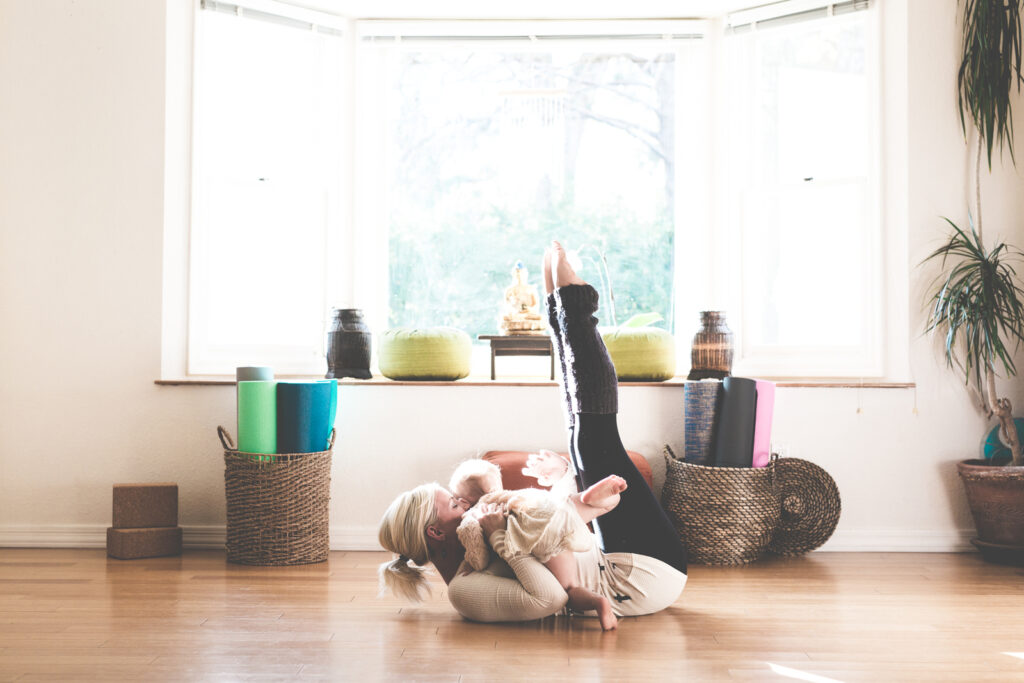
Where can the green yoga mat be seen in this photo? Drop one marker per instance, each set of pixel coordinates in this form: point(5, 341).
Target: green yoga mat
point(257, 417)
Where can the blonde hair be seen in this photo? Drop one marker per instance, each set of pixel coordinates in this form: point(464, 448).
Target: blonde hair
point(403, 530)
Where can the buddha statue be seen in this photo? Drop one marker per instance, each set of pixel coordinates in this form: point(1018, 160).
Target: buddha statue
point(522, 311)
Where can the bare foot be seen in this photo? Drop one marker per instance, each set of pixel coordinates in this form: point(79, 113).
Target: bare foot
point(605, 493)
point(606, 616)
point(562, 273)
point(549, 283)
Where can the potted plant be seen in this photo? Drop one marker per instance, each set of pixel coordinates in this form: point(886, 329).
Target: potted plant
point(639, 352)
point(977, 302)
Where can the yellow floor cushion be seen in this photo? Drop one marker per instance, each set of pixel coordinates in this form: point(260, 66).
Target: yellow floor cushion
point(433, 353)
point(641, 354)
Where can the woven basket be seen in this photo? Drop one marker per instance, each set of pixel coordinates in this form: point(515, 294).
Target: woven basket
point(724, 515)
point(277, 505)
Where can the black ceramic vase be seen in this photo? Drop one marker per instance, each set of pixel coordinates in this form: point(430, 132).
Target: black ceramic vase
point(348, 345)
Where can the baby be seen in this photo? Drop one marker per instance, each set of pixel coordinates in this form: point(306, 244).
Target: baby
point(549, 526)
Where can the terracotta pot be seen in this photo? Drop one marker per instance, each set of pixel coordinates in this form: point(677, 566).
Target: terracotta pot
point(996, 498)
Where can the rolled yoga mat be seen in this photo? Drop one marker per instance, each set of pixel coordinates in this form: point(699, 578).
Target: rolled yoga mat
point(763, 423)
point(700, 405)
point(734, 437)
point(303, 416)
point(253, 373)
point(257, 417)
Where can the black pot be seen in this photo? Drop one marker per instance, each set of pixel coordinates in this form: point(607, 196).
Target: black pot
point(348, 345)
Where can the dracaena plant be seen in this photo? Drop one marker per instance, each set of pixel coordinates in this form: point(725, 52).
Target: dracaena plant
point(977, 303)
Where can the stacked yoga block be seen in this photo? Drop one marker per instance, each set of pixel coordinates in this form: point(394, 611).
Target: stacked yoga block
point(145, 521)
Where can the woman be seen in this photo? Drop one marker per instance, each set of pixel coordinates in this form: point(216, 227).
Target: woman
point(640, 565)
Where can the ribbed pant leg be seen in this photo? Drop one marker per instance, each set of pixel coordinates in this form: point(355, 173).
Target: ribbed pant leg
point(638, 524)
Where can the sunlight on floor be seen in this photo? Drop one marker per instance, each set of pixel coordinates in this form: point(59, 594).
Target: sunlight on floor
point(800, 675)
point(1018, 655)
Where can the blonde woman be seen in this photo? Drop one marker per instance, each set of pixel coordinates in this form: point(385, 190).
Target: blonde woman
point(638, 563)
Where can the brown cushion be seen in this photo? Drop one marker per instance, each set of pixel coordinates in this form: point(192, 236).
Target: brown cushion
point(511, 464)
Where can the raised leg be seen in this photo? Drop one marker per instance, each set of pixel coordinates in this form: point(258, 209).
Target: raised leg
point(638, 524)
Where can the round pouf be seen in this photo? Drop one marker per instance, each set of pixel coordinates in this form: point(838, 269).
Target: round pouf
point(809, 507)
point(434, 353)
point(641, 354)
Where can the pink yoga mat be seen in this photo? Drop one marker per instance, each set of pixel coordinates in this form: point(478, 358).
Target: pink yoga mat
point(763, 422)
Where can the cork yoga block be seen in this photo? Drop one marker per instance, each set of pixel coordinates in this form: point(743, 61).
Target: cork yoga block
point(139, 506)
point(133, 544)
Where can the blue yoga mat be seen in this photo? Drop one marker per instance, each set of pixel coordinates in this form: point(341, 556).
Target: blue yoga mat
point(700, 400)
point(304, 415)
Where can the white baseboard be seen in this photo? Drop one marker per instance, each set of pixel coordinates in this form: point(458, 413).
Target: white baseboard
point(365, 538)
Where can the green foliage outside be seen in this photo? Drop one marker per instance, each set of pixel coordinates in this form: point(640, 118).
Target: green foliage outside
point(470, 199)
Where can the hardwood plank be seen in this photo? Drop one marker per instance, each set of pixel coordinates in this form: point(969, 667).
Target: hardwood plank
point(77, 615)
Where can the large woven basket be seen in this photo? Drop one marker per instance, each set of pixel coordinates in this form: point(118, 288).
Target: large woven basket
point(724, 515)
point(277, 505)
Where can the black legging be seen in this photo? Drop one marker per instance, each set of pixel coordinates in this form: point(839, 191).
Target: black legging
point(638, 524)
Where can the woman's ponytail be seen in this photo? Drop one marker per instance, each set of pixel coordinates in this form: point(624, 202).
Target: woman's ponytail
point(404, 579)
point(403, 531)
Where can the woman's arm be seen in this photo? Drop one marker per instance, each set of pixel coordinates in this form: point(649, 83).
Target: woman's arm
point(535, 593)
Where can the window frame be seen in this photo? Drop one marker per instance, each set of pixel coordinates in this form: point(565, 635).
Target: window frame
point(355, 280)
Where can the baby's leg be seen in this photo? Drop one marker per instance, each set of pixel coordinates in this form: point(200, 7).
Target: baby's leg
point(583, 600)
point(563, 567)
point(599, 498)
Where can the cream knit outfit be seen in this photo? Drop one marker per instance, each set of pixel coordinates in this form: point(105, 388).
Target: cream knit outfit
point(517, 587)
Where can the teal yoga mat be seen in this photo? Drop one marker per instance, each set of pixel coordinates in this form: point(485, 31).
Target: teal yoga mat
point(257, 417)
point(304, 411)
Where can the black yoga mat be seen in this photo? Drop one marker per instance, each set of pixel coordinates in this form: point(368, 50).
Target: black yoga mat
point(700, 403)
point(734, 437)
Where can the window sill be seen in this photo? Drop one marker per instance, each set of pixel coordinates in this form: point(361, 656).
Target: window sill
point(379, 381)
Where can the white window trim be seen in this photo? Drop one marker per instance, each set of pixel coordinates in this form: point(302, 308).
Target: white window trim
point(353, 284)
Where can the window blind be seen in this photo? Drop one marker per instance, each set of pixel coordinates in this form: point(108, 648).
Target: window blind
point(279, 13)
point(789, 12)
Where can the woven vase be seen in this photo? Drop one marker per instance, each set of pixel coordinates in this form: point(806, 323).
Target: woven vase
point(711, 353)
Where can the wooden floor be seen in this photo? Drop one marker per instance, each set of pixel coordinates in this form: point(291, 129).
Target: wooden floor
point(77, 615)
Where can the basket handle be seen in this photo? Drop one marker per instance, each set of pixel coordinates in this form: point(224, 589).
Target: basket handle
point(669, 452)
point(330, 439)
point(225, 439)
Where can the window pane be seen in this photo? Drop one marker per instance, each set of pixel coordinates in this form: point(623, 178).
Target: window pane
point(493, 153)
point(266, 156)
point(801, 170)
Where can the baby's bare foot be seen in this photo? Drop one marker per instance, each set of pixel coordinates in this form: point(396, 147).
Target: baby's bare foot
point(606, 616)
point(549, 283)
point(562, 273)
point(604, 493)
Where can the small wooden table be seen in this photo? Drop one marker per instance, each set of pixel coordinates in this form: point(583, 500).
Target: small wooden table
point(520, 345)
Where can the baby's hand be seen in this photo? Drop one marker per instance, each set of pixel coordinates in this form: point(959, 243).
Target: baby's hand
point(546, 467)
point(492, 518)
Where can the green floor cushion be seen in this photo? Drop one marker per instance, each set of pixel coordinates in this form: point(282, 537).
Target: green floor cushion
point(434, 353)
point(641, 354)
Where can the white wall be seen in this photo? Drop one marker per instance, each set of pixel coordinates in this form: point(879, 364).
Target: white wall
point(81, 223)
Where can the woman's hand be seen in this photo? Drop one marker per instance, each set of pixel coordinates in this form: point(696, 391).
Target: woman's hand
point(546, 467)
point(493, 517)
